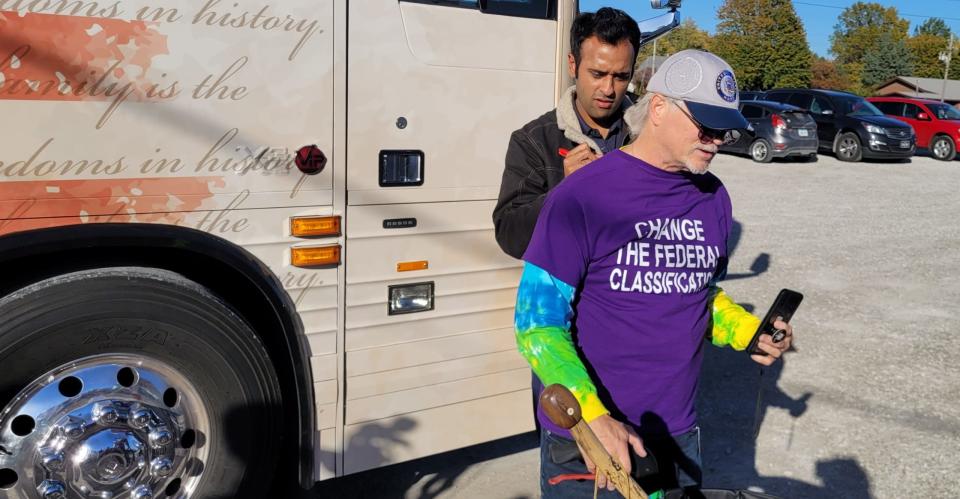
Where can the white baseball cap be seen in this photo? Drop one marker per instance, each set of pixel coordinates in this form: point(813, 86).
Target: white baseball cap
point(705, 83)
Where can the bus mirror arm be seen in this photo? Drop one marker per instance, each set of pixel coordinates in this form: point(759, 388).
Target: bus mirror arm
point(656, 27)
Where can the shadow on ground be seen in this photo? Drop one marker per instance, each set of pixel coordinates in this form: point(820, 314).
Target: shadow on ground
point(735, 395)
point(425, 478)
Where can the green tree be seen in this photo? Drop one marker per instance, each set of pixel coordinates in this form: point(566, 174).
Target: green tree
point(861, 26)
point(686, 36)
point(933, 26)
point(765, 43)
point(887, 59)
point(925, 49)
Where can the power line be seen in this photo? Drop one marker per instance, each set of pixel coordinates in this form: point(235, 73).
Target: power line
point(898, 12)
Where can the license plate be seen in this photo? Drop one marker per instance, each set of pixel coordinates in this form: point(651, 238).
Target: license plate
point(904, 144)
point(802, 132)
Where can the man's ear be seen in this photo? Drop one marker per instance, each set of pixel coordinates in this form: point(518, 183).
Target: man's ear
point(658, 109)
point(572, 65)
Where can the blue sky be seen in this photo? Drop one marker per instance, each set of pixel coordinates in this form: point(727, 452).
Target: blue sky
point(818, 16)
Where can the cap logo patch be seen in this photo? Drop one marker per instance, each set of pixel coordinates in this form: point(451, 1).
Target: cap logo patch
point(683, 76)
point(727, 86)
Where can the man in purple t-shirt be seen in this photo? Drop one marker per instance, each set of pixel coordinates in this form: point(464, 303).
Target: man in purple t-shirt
point(618, 291)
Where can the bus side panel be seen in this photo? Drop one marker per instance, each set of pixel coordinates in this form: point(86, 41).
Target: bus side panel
point(462, 80)
point(186, 114)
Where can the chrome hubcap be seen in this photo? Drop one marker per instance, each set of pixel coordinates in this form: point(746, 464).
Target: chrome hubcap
point(941, 149)
point(759, 151)
point(848, 147)
point(108, 426)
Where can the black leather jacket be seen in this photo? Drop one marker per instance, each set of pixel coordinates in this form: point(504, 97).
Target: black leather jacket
point(533, 167)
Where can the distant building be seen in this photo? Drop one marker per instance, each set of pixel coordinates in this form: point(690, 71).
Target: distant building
point(920, 88)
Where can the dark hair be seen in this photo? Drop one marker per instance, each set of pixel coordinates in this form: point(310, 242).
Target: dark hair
point(609, 25)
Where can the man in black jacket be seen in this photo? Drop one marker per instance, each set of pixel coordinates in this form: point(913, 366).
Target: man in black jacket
point(586, 124)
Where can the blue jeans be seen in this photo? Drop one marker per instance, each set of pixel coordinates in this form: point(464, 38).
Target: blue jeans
point(677, 459)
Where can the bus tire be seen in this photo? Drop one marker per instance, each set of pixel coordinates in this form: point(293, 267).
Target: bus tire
point(149, 380)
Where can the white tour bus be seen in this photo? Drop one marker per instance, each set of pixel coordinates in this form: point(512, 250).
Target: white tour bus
point(243, 235)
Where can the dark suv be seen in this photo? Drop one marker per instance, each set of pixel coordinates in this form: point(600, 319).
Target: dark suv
point(850, 126)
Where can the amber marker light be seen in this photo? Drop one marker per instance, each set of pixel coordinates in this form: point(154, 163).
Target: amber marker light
point(315, 226)
point(408, 266)
point(315, 256)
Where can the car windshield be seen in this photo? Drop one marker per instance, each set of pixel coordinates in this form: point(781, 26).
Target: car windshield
point(944, 112)
point(857, 106)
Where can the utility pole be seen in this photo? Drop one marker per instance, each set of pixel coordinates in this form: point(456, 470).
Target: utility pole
point(945, 57)
point(654, 65)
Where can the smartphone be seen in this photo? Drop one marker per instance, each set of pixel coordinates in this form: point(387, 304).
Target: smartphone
point(783, 307)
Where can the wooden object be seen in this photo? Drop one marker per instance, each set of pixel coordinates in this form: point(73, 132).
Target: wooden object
point(564, 410)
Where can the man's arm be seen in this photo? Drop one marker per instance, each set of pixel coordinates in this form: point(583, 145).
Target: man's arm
point(543, 318)
point(732, 324)
point(522, 192)
point(542, 325)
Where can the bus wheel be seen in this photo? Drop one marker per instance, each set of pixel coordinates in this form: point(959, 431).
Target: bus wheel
point(133, 381)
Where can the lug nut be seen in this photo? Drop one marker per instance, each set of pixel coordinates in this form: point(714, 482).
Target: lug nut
point(52, 489)
point(140, 418)
point(161, 466)
point(52, 461)
point(105, 414)
point(73, 428)
point(160, 436)
point(142, 492)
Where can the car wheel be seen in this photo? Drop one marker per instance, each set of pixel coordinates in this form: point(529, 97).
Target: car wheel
point(760, 151)
point(943, 148)
point(848, 147)
point(133, 381)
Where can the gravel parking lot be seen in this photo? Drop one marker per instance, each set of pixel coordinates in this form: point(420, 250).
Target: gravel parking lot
point(868, 404)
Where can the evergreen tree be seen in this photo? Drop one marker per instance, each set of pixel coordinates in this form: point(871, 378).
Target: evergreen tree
point(765, 43)
point(933, 26)
point(888, 59)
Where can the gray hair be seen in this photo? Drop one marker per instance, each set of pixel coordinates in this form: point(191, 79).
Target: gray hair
point(636, 115)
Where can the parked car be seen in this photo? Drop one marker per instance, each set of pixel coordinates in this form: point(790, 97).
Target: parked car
point(850, 126)
point(779, 130)
point(936, 124)
point(750, 95)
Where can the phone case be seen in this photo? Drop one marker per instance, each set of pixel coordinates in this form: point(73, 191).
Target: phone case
point(784, 306)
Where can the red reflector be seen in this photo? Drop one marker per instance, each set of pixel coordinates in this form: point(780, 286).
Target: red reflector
point(310, 160)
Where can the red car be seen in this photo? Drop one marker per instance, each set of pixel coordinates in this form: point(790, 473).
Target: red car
point(936, 124)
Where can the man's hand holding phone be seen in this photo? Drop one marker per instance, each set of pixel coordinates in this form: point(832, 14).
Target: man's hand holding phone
point(775, 335)
point(773, 349)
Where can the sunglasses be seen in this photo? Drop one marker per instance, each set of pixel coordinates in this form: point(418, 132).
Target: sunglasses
point(707, 134)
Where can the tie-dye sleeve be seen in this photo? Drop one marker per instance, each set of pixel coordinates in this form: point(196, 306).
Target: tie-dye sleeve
point(542, 323)
point(732, 325)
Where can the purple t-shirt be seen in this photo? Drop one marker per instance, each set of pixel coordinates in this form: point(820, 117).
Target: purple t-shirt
point(641, 246)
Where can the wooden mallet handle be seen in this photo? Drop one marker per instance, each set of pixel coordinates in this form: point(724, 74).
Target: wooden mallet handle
point(563, 409)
